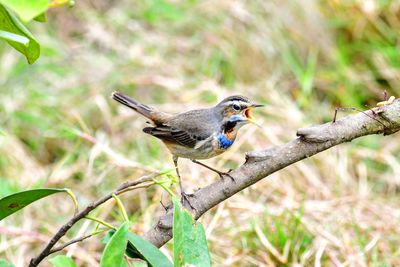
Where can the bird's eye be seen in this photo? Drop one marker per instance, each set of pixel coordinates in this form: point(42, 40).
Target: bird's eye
point(236, 107)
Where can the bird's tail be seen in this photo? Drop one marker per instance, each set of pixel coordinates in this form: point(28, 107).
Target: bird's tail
point(148, 112)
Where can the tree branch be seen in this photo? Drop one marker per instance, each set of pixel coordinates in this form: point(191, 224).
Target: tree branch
point(80, 215)
point(259, 164)
point(73, 241)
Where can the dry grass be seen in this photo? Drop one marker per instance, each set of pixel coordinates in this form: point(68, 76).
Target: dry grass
point(60, 129)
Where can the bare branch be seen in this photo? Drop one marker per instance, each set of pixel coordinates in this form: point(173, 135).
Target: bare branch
point(73, 241)
point(80, 215)
point(259, 164)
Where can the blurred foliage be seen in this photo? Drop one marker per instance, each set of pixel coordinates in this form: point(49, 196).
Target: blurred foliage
point(62, 261)
point(17, 35)
point(13, 15)
point(363, 62)
point(367, 52)
point(285, 233)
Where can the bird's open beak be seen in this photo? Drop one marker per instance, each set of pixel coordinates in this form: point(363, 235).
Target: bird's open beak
point(248, 112)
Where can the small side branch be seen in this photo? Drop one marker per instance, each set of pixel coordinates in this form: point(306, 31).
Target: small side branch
point(73, 241)
point(77, 217)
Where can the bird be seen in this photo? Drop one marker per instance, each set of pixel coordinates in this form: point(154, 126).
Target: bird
point(196, 134)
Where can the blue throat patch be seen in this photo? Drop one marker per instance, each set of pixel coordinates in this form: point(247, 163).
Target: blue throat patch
point(224, 142)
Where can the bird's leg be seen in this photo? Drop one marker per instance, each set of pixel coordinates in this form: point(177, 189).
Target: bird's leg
point(221, 174)
point(175, 159)
point(184, 196)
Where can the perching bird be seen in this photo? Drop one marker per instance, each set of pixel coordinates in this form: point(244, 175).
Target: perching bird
point(196, 134)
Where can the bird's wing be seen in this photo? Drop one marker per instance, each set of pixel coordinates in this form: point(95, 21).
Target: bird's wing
point(168, 133)
point(186, 129)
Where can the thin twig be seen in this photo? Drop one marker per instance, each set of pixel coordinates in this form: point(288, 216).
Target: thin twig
point(121, 208)
point(77, 217)
point(356, 109)
point(109, 226)
point(76, 240)
point(135, 187)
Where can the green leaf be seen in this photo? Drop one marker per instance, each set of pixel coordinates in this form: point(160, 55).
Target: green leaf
point(108, 236)
point(8, 36)
point(41, 18)
point(62, 261)
point(5, 263)
point(143, 249)
point(139, 263)
point(114, 251)
point(27, 9)
point(17, 201)
point(162, 10)
point(11, 24)
point(190, 243)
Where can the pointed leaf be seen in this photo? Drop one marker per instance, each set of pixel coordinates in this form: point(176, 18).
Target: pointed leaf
point(114, 251)
point(27, 9)
point(143, 249)
point(10, 23)
point(17, 201)
point(190, 244)
point(62, 261)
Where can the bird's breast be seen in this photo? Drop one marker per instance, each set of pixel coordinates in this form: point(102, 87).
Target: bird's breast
point(225, 140)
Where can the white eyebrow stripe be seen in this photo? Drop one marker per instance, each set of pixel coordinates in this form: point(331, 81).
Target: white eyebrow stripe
point(238, 102)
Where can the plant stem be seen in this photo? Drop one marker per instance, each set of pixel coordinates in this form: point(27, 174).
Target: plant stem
point(121, 207)
point(99, 221)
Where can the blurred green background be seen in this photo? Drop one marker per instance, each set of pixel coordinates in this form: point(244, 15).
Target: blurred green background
point(59, 127)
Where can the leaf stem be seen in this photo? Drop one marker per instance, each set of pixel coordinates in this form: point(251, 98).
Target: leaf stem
point(166, 188)
point(72, 195)
point(100, 221)
point(121, 207)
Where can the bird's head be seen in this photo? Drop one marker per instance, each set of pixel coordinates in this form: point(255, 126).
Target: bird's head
point(236, 110)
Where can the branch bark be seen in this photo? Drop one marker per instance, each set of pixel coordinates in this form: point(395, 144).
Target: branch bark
point(260, 164)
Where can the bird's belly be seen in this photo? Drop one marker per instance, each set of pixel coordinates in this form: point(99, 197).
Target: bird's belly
point(203, 152)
